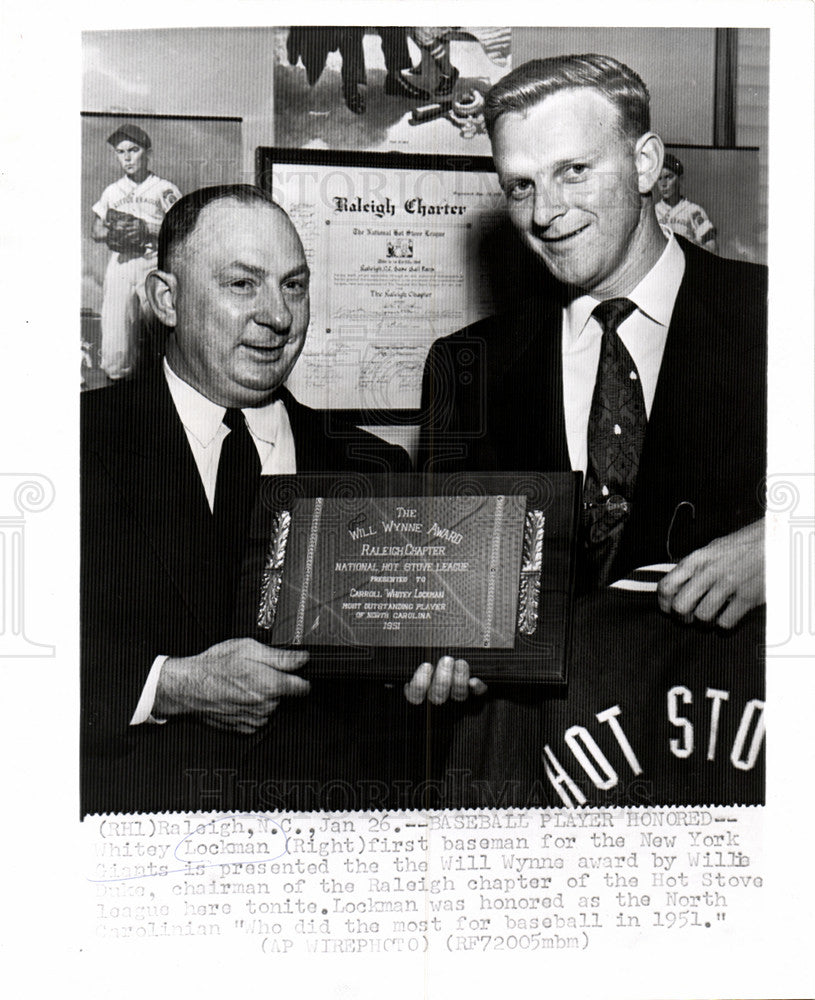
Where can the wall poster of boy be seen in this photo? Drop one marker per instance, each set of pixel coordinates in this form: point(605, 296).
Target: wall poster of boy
point(415, 89)
point(134, 167)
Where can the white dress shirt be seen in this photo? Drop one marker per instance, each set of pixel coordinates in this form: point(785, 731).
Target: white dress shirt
point(644, 333)
point(203, 424)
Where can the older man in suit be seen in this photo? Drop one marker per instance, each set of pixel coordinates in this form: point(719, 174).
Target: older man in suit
point(645, 370)
point(172, 703)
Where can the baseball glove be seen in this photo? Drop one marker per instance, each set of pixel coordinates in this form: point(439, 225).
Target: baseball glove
point(126, 233)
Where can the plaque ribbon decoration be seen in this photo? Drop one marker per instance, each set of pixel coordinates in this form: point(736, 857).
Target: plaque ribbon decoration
point(309, 569)
point(273, 570)
point(531, 566)
point(495, 549)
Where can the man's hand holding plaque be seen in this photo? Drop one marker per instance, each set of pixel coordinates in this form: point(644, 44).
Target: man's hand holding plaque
point(234, 685)
point(449, 679)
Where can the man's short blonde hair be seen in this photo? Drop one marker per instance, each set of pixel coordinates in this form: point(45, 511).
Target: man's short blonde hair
point(538, 79)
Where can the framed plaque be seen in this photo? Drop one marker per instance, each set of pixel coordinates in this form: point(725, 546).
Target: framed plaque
point(374, 574)
point(399, 250)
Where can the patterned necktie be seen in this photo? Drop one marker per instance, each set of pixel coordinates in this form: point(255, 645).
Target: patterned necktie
point(235, 489)
point(616, 432)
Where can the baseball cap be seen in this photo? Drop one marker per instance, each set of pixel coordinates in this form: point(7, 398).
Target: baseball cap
point(671, 163)
point(131, 132)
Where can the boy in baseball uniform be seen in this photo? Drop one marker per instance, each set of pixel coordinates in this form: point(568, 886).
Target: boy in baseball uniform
point(675, 211)
point(127, 218)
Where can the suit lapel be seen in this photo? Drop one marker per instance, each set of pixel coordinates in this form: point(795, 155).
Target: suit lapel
point(687, 376)
point(312, 443)
point(152, 463)
point(530, 394)
point(689, 420)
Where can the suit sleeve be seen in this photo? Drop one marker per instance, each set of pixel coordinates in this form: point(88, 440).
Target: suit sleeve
point(117, 647)
point(752, 446)
point(743, 388)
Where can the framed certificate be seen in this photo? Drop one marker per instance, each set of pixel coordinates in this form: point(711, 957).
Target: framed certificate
point(376, 573)
point(398, 246)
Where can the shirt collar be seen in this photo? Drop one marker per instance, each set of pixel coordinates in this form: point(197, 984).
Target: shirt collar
point(264, 421)
point(204, 419)
point(131, 185)
point(654, 296)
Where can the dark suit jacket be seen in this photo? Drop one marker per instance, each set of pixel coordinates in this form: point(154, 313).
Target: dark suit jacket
point(150, 587)
point(493, 399)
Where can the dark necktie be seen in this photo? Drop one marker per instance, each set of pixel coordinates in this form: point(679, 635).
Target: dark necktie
point(616, 432)
point(235, 489)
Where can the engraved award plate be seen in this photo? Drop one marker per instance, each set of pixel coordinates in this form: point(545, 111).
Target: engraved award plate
point(371, 572)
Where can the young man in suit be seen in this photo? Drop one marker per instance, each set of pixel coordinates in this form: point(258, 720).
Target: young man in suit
point(172, 702)
point(661, 406)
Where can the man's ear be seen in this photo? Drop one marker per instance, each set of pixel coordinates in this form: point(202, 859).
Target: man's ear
point(649, 153)
point(160, 288)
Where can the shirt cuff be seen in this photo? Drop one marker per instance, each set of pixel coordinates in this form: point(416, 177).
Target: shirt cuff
point(144, 708)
